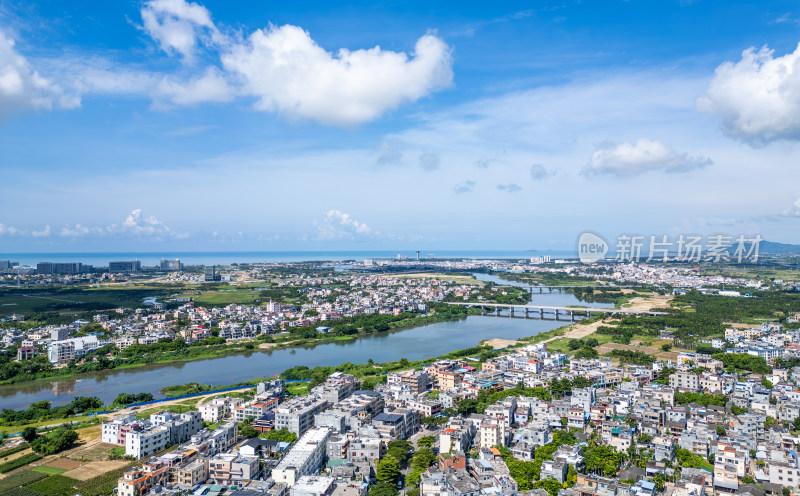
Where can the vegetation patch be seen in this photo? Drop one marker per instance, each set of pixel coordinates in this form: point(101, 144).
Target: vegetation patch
point(19, 462)
point(49, 470)
point(55, 485)
point(21, 478)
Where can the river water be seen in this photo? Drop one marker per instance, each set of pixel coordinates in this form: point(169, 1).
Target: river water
point(414, 344)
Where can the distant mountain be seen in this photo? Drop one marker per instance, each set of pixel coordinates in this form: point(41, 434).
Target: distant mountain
point(771, 247)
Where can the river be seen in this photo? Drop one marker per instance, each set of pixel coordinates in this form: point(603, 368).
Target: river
point(414, 344)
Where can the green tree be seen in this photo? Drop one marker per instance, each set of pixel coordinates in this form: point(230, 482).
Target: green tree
point(383, 489)
point(388, 469)
point(29, 433)
point(572, 476)
point(54, 441)
point(587, 353)
point(721, 430)
point(666, 346)
point(426, 441)
point(247, 430)
point(282, 435)
point(658, 480)
point(552, 486)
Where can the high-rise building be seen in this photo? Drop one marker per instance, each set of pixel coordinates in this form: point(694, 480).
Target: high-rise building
point(125, 267)
point(171, 265)
point(7, 266)
point(211, 274)
point(59, 268)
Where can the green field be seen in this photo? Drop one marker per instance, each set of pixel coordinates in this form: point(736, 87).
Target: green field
point(55, 485)
point(53, 470)
point(226, 297)
point(36, 300)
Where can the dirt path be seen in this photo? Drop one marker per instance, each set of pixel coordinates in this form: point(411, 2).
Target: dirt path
point(578, 331)
point(647, 303)
point(499, 344)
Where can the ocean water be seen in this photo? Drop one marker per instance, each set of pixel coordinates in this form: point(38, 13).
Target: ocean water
point(101, 259)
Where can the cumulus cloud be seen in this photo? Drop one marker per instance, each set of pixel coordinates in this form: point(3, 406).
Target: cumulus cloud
point(176, 25)
point(337, 225)
point(758, 97)
point(135, 225)
point(289, 73)
point(41, 234)
point(794, 211)
point(509, 188)
point(22, 88)
point(6, 230)
point(429, 161)
point(464, 187)
point(631, 159)
point(538, 172)
point(281, 67)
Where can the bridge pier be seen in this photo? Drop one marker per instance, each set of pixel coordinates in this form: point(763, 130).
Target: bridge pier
point(526, 312)
point(511, 313)
point(572, 315)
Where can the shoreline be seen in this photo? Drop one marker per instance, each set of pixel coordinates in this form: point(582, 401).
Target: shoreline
point(233, 349)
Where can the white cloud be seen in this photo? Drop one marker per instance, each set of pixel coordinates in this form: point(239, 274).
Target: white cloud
point(464, 187)
point(210, 87)
point(338, 225)
point(282, 67)
point(176, 25)
point(6, 230)
point(41, 234)
point(289, 73)
point(794, 211)
point(22, 88)
point(643, 156)
point(757, 98)
point(79, 231)
point(135, 224)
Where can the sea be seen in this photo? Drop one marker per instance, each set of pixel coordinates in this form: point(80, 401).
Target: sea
point(101, 259)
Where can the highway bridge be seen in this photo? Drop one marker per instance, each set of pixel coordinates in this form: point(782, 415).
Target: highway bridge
point(544, 311)
point(549, 289)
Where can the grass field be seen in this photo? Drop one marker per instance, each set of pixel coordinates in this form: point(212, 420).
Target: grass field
point(562, 345)
point(49, 470)
point(32, 300)
point(296, 388)
point(226, 297)
point(12, 429)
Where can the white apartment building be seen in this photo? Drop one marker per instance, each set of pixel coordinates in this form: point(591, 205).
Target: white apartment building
point(304, 458)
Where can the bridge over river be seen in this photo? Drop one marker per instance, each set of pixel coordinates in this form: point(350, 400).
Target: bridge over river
point(545, 311)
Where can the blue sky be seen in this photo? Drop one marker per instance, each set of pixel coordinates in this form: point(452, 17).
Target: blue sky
point(172, 125)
